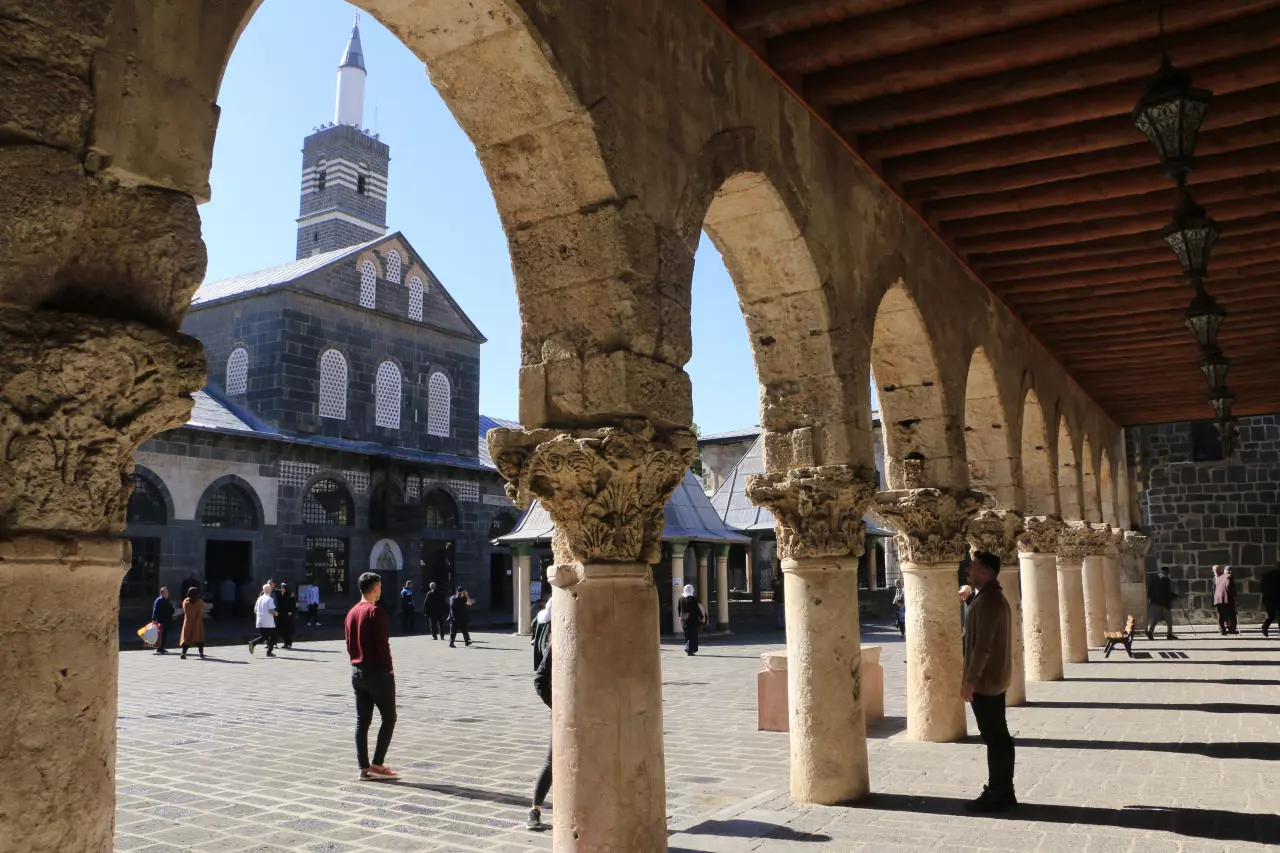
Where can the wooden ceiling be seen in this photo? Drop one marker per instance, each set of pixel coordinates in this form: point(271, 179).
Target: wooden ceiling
point(1005, 124)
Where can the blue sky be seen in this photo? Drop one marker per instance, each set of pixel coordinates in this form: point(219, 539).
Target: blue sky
point(279, 85)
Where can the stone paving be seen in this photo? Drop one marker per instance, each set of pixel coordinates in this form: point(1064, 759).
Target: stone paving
point(1176, 750)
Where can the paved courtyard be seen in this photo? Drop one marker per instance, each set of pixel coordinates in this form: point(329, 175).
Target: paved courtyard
point(1176, 751)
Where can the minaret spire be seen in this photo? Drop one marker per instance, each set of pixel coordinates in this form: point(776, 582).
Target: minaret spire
point(349, 106)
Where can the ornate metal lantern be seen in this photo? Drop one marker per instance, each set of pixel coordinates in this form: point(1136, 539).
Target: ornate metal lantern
point(1169, 113)
point(1191, 235)
point(1228, 435)
point(1204, 317)
point(1214, 365)
point(1221, 399)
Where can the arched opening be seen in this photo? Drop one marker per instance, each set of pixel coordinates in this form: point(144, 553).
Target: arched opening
point(1106, 485)
point(992, 466)
point(145, 517)
point(439, 510)
point(328, 503)
point(228, 507)
point(1068, 473)
point(327, 510)
point(1038, 486)
point(913, 411)
point(502, 524)
point(146, 504)
point(1089, 483)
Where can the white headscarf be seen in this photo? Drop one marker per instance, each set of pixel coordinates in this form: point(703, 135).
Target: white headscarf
point(688, 589)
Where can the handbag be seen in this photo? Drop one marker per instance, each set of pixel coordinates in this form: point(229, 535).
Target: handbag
point(150, 633)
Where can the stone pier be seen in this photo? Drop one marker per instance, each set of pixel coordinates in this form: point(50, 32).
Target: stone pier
point(524, 608)
point(677, 584)
point(1111, 582)
point(996, 532)
point(1133, 580)
point(1078, 541)
point(1093, 582)
point(1041, 626)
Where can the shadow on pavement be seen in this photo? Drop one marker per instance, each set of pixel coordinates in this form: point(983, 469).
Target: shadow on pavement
point(1236, 682)
point(1195, 823)
point(467, 793)
point(1257, 750)
point(887, 727)
point(1209, 707)
point(1163, 661)
point(736, 828)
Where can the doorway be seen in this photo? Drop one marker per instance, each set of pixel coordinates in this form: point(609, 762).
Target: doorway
point(500, 582)
point(228, 560)
point(437, 563)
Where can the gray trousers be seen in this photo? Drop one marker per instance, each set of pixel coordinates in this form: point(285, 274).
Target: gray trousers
point(1157, 613)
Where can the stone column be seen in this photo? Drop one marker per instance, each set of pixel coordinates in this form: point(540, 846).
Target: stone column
point(704, 585)
point(78, 394)
point(1041, 629)
point(722, 587)
point(1074, 544)
point(818, 511)
point(604, 489)
point(930, 542)
point(996, 532)
point(1133, 583)
point(1111, 582)
point(1092, 580)
point(677, 584)
point(523, 605)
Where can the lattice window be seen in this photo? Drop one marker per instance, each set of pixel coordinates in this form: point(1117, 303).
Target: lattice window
point(333, 385)
point(297, 473)
point(327, 563)
point(143, 578)
point(412, 487)
point(415, 298)
point(368, 285)
point(439, 510)
point(328, 502)
point(465, 490)
point(357, 480)
point(438, 403)
point(146, 504)
point(393, 266)
point(237, 371)
point(387, 402)
point(229, 507)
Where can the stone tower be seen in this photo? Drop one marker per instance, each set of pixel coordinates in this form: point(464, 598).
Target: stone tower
point(344, 169)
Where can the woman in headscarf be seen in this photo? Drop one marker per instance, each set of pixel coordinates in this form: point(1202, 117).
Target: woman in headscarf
point(692, 616)
point(192, 622)
point(286, 608)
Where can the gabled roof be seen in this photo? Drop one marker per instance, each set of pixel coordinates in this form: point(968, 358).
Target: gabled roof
point(731, 435)
point(487, 423)
point(239, 285)
point(731, 504)
point(688, 517)
point(208, 413)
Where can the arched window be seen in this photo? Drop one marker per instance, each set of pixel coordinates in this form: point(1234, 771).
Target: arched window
point(368, 285)
point(415, 298)
point(439, 510)
point(333, 385)
point(229, 507)
point(361, 184)
point(438, 401)
point(387, 408)
point(237, 371)
point(146, 504)
point(328, 502)
point(502, 524)
point(393, 266)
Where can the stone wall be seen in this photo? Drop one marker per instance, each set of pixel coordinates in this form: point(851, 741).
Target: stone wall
point(1203, 511)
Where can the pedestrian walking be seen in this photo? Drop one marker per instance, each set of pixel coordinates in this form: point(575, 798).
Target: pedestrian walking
point(309, 597)
point(1224, 600)
point(286, 615)
point(192, 623)
point(1271, 598)
point(541, 634)
point(459, 618)
point(1160, 596)
point(692, 617)
point(408, 614)
point(542, 684)
point(264, 613)
point(436, 608)
point(226, 608)
point(900, 607)
point(988, 668)
point(162, 615)
point(373, 678)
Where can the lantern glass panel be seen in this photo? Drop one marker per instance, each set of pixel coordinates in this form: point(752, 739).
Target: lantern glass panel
point(1204, 318)
point(1214, 368)
point(1222, 404)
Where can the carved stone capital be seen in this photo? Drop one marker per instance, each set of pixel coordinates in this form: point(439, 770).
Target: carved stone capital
point(1080, 539)
point(1040, 534)
point(1136, 544)
point(996, 532)
point(930, 522)
point(818, 509)
point(78, 394)
point(604, 488)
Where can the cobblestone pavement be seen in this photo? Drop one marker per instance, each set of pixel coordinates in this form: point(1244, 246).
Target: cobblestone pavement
point(1177, 750)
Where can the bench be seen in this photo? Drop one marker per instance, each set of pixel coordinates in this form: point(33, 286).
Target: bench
point(1120, 638)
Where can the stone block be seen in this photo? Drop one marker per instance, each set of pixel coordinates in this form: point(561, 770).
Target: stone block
point(771, 689)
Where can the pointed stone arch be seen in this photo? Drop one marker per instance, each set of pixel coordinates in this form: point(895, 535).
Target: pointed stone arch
point(993, 468)
point(1068, 474)
point(1039, 485)
point(1107, 490)
point(1089, 483)
point(913, 407)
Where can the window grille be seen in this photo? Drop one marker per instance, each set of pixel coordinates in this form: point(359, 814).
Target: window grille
point(439, 510)
point(368, 285)
point(327, 564)
point(393, 266)
point(412, 487)
point(328, 503)
point(229, 507)
point(146, 504)
point(438, 402)
point(143, 579)
point(415, 299)
point(388, 396)
point(333, 385)
point(237, 371)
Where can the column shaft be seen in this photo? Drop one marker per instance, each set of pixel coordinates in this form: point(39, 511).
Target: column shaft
point(524, 606)
point(704, 587)
point(935, 659)
point(609, 788)
point(1111, 585)
point(824, 679)
point(1095, 600)
point(722, 588)
point(1075, 642)
point(1011, 583)
point(677, 586)
point(1041, 629)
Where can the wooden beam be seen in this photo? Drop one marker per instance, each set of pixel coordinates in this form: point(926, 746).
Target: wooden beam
point(758, 14)
point(1159, 269)
point(1260, 282)
point(1231, 75)
point(897, 31)
point(1132, 62)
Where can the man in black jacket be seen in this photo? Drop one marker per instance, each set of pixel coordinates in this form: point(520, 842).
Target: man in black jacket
point(542, 684)
point(459, 617)
point(1270, 599)
point(1160, 596)
point(436, 606)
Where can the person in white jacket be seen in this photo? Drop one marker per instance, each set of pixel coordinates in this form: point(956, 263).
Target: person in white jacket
point(264, 614)
point(309, 597)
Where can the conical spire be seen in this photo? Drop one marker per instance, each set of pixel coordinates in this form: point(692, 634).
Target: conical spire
point(349, 106)
point(354, 57)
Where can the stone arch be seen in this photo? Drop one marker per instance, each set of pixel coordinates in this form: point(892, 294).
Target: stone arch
point(913, 407)
point(1106, 486)
point(1068, 473)
point(215, 499)
point(159, 491)
point(1039, 486)
point(992, 467)
point(1089, 483)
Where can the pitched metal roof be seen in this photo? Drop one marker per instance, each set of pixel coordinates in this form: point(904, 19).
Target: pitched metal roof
point(487, 423)
point(731, 435)
point(237, 285)
point(688, 516)
point(208, 413)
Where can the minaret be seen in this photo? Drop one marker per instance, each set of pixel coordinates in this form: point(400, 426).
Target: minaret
point(344, 169)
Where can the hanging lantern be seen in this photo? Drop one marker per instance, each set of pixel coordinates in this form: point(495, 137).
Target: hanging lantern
point(1169, 113)
point(1221, 399)
point(1228, 435)
point(1204, 318)
point(1214, 365)
point(1191, 235)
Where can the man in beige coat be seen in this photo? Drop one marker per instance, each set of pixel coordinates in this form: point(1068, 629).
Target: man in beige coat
point(988, 667)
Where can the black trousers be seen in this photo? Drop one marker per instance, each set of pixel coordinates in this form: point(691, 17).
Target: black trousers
point(989, 712)
point(267, 636)
point(455, 629)
point(1273, 615)
point(374, 688)
point(543, 785)
point(286, 629)
point(313, 614)
point(691, 627)
point(1226, 617)
point(437, 626)
point(410, 618)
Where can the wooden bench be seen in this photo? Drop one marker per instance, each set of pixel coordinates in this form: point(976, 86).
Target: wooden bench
point(1120, 638)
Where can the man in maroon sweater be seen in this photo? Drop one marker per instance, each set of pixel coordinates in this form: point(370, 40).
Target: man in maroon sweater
point(372, 677)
